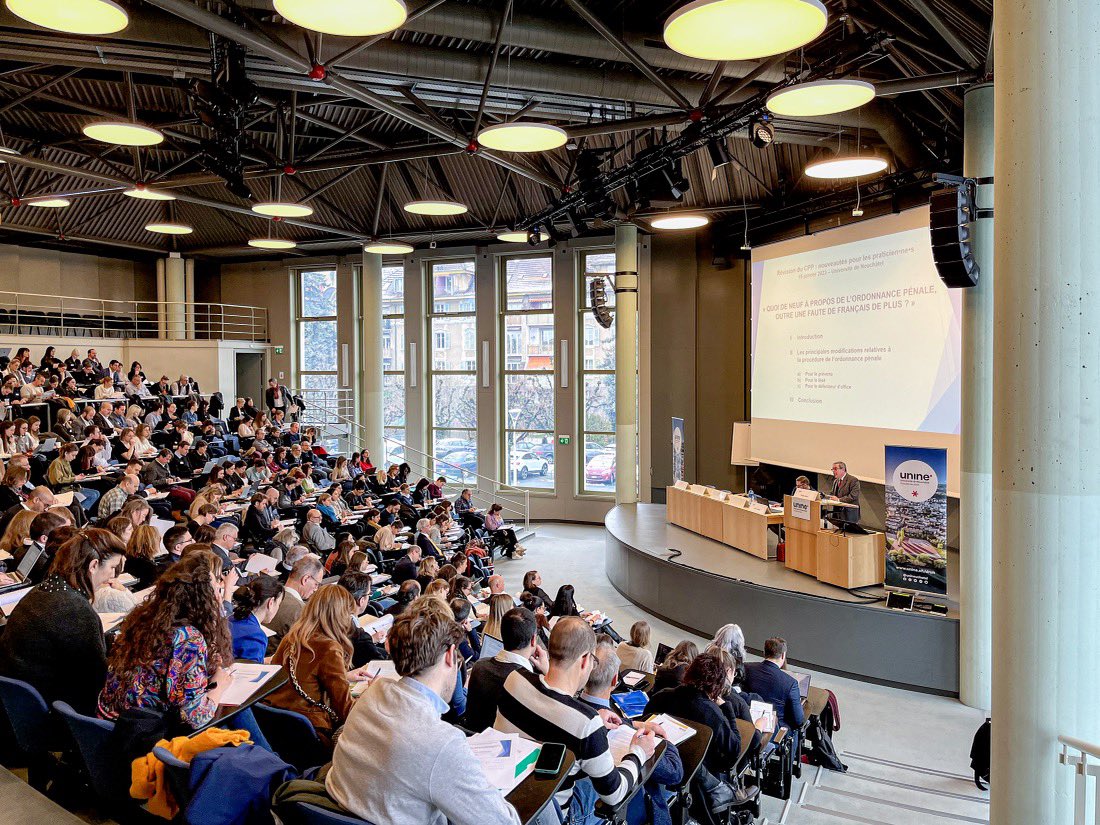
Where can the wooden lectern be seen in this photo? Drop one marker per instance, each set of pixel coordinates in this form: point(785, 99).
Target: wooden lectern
point(801, 537)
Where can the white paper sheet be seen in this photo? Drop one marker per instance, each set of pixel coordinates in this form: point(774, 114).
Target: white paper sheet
point(247, 679)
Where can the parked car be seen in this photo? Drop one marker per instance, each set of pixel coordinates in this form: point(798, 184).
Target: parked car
point(466, 460)
point(446, 446)
point(526, 462)
point(544, 451)
point(601, 468)
point(594, 448)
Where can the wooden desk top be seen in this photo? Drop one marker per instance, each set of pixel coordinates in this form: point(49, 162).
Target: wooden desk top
point(533, 794)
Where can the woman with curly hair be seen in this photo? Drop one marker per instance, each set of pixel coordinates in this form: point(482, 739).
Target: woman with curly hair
point(173, 650)
point(316, 653)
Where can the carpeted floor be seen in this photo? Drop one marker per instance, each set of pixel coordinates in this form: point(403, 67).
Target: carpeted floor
point(907, 753)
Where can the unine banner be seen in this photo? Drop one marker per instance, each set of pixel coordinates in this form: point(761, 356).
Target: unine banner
point(916, 519)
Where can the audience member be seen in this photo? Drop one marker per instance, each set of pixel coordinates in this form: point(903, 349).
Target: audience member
point(518, 632)
point(769, 680)
point(173, 650)
point(671, 671)
point(543, 708)
point(53, 638)
point(636, 654)
point(396, 761)
point(316, 653)
point(254, 605)
point(304, 580)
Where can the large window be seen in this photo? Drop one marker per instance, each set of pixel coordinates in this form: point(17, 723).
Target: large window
point(393, 361)
point(317, 346)
point(528, 368)
point(453, 368)
point(597, 383)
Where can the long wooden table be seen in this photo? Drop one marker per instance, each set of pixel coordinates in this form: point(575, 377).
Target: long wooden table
point(739, 527)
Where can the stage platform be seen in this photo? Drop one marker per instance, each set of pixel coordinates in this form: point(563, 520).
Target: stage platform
point(827, 628)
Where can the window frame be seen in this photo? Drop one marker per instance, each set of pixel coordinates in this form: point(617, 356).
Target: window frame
point(504, 371)
point(582, 371)
point(433, 312)
point(391, 430)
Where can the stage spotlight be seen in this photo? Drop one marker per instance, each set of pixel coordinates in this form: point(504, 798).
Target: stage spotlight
point(719, 156)
point(761, 133)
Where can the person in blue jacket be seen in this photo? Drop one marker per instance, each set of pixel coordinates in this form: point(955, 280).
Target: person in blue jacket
point(254, 604)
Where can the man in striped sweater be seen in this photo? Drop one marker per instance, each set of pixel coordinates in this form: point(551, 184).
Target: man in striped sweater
point(545, 709)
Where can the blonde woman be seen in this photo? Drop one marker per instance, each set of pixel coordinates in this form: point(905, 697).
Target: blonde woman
point(135, 413)
point(427, 572)
point(17, 532)
point(384, 538)
point(499, 604)
point(437, 589)
point(636, 654)
point(316, 653)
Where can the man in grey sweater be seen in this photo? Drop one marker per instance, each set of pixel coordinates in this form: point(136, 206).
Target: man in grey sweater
point(396, 761)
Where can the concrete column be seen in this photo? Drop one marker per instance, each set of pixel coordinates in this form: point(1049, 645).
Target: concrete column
point(162, 316)
point(626, 364)
point(189, 297)
point(1046, 424)
point(175, 296)
point(976, 458)
point(370, 353)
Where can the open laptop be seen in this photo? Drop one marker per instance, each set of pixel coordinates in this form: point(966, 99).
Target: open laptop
point(490, 646)
point(662, 653)
point(23, 571)
point(803, 680)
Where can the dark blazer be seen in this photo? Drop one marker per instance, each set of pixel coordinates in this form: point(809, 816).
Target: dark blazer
point(257, 526)
point(847, 490)
point(403, 570)
point(155, 473)
point(105, 426)
point(427, 548)
point(269, 397)
point(781, 689)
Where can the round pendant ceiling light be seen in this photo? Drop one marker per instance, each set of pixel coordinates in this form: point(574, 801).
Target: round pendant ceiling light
point(436, 207)
point(743, 29)
point(512, 237)
point(388, 248)
point(272, 243)
point(168, 228)
point(123, 133)
point(142, 193)
point(679, 221)
point(839, 167)
point(50, 203)
point(280, 209)
point(821, 97)
point(522, 137)
point(350, 18)
point(72, 16)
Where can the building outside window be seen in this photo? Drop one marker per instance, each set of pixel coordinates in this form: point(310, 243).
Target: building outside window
point(527, 324)
point(452, 383)
point(393, 363)
point(318, 349)
point(596, 447)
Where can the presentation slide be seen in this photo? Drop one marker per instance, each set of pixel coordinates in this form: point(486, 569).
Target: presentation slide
point(856, 345)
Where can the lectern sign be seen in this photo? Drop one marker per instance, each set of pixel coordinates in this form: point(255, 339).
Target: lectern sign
point(800, 503)
point(916, 519)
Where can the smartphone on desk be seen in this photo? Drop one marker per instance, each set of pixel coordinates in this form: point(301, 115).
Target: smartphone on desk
point(550, 759)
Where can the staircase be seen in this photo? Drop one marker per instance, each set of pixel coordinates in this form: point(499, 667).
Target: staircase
point(879, 791)
point(332, 411)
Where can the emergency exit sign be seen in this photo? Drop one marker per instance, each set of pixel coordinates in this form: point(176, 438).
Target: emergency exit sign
point(278, 350)
point(564, 440)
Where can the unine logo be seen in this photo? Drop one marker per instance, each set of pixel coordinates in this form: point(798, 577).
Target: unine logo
point(915, 480)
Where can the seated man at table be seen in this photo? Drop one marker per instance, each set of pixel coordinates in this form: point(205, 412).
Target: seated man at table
point(652, 806)
point(396, 761)
point(775, 685)
point(519, 633)
point(543, 708)
point(406, 567)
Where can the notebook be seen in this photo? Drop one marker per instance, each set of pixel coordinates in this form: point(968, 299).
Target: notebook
point(631, 704)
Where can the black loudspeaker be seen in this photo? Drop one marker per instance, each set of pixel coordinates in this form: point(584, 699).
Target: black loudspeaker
point(951, 210)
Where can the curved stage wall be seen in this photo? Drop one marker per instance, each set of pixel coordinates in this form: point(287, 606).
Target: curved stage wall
point(711, 584)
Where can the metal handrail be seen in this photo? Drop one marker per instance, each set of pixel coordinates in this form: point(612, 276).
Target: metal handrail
point(116, 318)
point(1082, 769)
point(498, 487)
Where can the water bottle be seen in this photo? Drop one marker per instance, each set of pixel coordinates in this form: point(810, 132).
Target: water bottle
point(752, 496)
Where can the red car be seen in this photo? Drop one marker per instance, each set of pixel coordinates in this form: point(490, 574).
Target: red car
point(601, 468)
